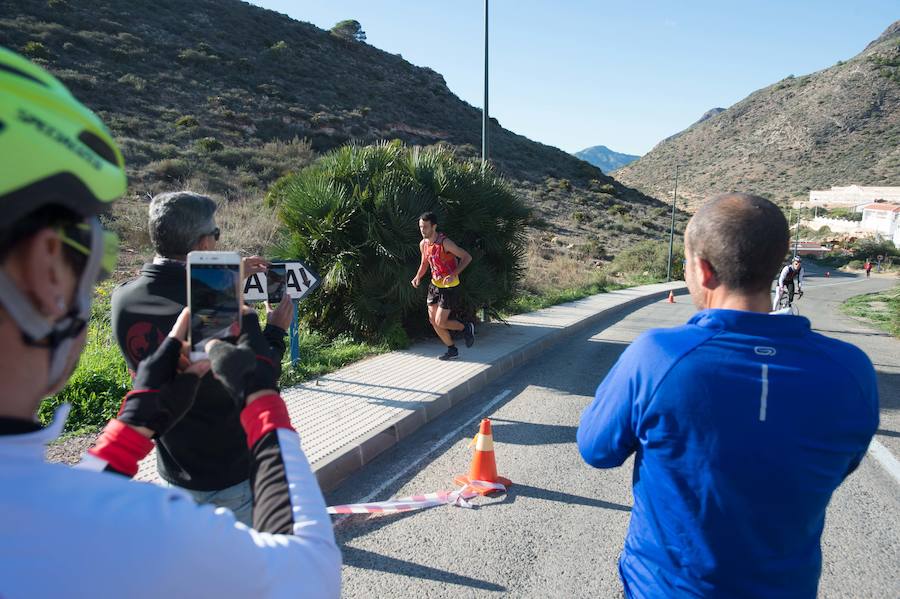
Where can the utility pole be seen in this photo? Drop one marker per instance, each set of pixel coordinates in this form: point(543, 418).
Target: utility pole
point(672, 230)
point(484, 113)
point(485, 310)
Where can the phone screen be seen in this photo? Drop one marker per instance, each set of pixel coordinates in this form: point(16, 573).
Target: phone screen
point(276, 282)
point(215, 303)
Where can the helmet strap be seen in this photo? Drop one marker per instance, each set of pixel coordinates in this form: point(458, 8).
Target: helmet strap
point(56, 336)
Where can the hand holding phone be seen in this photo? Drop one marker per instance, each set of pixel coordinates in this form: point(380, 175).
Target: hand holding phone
point(214, 298)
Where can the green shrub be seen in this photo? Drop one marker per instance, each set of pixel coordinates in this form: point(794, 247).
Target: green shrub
point(138, 83)
point(192, 56)
point(871, 248)
point(187, 122)
point(855, 264)
point(354, 217)
point(209, 144)
point(278, 47)
point(647, 260)
point(35, 50)
point(349, 30)
point(579, 217)
point(170, 169)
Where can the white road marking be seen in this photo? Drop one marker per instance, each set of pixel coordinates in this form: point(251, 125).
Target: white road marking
point(816, 286)
point(885, 458)
point(764, 394)
point(443, 440)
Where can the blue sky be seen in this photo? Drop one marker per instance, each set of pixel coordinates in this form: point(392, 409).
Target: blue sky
point(576, 73)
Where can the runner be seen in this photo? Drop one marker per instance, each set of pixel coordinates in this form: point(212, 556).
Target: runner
point(868, 267)
point(446, 260)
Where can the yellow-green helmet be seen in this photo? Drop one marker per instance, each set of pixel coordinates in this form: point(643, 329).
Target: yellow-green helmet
point(55, 150)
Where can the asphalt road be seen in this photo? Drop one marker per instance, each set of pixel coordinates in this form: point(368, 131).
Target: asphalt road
point(559, 529)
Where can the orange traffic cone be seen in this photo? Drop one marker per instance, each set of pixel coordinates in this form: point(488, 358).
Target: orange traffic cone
point(671, 297)
point(483, 466)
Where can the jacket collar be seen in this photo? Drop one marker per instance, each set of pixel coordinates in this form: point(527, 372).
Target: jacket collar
point(752, 323)
point(164, 268)
point(34, 445)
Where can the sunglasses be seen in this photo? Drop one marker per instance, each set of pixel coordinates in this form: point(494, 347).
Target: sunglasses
point(215, 233)
point(78, 237)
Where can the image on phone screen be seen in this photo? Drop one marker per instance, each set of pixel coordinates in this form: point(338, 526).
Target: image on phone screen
point(276, 282)
point(215, 303)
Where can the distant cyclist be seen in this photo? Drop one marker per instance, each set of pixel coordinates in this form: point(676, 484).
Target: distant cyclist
point(789, 274)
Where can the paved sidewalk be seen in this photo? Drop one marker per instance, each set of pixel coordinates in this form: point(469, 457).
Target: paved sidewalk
point(348, 417)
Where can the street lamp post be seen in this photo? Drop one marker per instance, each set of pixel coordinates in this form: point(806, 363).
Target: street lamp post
point(484, 114)
point(485, 310)
point(797, 235)
point(672, 229)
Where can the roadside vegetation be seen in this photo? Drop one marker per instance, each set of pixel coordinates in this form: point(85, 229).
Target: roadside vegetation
point(855, 255)
point(881, 310)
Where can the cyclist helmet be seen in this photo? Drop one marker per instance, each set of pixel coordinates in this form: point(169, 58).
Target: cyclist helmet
point(797, 259)
point(56, 152)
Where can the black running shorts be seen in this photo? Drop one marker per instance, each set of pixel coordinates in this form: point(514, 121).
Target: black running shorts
point(445, 297)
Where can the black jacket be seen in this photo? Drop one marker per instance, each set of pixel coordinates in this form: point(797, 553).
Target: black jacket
point(207, 449)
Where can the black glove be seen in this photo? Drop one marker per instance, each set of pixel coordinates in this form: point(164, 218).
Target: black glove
point(247, 367)
point(160, 396)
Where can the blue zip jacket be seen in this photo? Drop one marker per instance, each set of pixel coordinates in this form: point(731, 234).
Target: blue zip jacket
point(743, 424)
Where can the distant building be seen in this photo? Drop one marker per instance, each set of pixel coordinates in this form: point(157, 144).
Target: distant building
point(881, 218)
point(810, 248)
point(853, 196)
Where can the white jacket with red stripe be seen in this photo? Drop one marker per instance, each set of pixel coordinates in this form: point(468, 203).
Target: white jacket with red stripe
point(76, 532)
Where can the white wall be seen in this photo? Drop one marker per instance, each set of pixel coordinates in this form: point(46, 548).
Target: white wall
point(879, 221)
point(853, 195)
point(837, 225)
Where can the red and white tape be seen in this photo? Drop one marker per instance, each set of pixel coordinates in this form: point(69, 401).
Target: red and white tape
point(458, 498)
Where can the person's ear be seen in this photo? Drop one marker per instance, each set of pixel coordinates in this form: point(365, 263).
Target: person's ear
point(207, 243)
point(708, 277)
point(44, 274)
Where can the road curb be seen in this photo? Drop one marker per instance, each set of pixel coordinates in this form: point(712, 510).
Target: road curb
point(337, 466)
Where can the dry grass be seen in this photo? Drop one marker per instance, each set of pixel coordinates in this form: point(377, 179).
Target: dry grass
point(550, 269)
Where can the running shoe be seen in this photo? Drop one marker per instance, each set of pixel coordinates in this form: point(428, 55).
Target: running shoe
point(452, 354)
point(469, 333)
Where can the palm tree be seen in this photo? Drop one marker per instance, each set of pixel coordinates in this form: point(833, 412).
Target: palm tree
point(354, 216)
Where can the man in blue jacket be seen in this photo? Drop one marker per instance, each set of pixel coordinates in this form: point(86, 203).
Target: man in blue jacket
point(742, 424)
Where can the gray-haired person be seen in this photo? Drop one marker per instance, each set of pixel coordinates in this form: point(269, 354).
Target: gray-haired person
point(206, 452)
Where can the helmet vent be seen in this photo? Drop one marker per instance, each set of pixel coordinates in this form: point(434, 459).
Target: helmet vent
point(100, 147)
point(8, 69)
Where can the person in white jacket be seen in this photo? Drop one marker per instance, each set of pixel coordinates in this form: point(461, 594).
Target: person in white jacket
point(90, 531)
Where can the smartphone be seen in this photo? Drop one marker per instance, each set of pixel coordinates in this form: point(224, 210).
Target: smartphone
point(276, 282)
point(214, 297)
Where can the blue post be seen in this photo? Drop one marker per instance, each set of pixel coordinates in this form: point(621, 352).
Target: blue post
point(295, 334)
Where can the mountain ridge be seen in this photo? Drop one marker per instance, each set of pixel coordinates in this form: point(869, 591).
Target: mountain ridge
point(605, 159)
point(837, 126)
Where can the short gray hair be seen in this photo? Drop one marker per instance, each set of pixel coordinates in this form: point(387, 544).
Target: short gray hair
point(178, 220)
point(743, 237)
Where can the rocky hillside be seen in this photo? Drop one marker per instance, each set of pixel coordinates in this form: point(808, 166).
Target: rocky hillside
point(605, 159)
point(838, 126)
point(223, 96)
point(706, 116)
